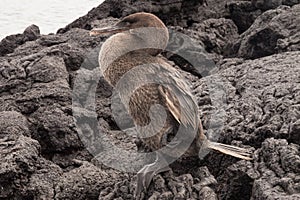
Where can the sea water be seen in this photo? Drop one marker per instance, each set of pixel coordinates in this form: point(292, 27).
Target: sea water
point(48, 15)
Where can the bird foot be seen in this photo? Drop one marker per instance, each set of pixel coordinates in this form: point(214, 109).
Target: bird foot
point(146, 174)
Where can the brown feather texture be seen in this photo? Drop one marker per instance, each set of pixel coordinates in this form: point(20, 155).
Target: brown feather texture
point(155, 94)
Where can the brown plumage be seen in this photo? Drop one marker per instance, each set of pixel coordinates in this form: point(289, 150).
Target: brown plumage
point(132, 52)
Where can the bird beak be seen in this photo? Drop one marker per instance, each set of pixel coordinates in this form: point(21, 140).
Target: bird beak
point(107, 30)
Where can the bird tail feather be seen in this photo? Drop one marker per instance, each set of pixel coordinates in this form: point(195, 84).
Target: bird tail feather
point(230, 150)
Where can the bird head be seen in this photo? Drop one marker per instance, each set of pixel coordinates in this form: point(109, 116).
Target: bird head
point(136, 32)
point(131, 23)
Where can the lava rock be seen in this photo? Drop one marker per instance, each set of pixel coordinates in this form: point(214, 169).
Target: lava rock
point(214, 33)
point(84, 182)
point(266, 4)
point(279, 171)
point(23, 172)
point(9, 43)
point(272, 32)
point(243, 13)
point(267, 109)
point(31, 33)
point(253, 104)
point(172, 12)
point(290, 2)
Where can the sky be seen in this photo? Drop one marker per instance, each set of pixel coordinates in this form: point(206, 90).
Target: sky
point(49, 15)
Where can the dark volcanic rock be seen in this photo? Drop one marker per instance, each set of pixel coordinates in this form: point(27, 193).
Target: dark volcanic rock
point(279, 168)
point(275, 174)
point(262, 101)
point(259, 103)
point(290, 2)
point(8, 44)
point(13, 125)
point(272, 32)
point(23, 173)
point(243, 13)
point(172, 12)
point(31, 33)
point(254, 104)
point(271, 4)
point(201, 44)
point(84, 182)
point(266, 4)
point(214, 33)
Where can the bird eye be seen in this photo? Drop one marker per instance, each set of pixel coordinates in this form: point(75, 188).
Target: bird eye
point(124, 23)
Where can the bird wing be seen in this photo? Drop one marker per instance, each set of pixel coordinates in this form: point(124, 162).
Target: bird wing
point(177, 96)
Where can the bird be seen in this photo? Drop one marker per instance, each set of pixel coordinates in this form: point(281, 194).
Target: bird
point(133, 51)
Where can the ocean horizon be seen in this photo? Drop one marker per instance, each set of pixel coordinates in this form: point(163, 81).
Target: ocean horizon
point(48, 15)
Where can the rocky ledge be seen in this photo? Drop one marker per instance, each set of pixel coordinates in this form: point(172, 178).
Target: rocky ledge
point(256, 48)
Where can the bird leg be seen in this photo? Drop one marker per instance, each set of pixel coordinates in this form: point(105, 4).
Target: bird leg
point(145, 175)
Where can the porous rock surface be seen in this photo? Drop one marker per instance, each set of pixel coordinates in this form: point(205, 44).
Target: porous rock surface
point(43, 154)
point(272, 32)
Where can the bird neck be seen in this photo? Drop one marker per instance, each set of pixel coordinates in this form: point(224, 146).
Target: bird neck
point(150, 40)
point(127, 62)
